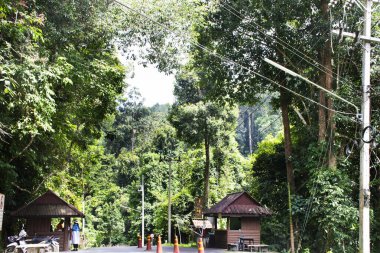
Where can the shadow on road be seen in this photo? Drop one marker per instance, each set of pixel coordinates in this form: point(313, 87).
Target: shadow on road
point(134, 249)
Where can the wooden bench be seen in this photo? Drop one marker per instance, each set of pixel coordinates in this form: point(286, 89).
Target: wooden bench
point(232, 246)
point(34, 248)
point(244, 242)
point(258, 247)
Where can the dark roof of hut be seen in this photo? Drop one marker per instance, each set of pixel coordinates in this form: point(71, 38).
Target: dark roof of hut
point(48, 205)
point(238, 204)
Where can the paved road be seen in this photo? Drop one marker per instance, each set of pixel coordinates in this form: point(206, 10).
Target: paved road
point(134, 249)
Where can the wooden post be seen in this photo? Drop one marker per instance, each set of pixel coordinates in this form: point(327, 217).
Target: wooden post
point(66, 235)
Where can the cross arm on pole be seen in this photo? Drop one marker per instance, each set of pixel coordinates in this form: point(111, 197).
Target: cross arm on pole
point(361, 37)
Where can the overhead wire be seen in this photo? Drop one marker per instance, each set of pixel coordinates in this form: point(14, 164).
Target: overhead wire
point(249, 115)
point(233, 62)
point(270, 124)
point(255, 39)
point(239, 15)
point(282, 42)
point(321, 161)
point(270, 80)
point(225, 59)
point(194, 43)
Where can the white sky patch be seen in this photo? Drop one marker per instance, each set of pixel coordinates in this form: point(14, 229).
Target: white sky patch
point(154, 86)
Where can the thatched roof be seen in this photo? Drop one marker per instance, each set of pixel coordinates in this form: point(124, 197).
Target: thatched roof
point(238, 204)
point(48, 205)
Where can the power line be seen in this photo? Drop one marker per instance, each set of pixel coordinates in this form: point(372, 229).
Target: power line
point(239, 15)
point(267, 128)
point(284, 43)
point(321, 160)
point(228, 60)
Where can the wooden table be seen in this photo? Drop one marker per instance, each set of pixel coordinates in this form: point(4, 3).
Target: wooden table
point(259, 247)
point(244, 242)
point(34, 248)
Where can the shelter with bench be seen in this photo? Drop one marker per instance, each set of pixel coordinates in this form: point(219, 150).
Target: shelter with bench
point(243, 214)
point(40, 212)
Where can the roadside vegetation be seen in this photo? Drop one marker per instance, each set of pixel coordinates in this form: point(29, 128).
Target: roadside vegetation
point(69, 123)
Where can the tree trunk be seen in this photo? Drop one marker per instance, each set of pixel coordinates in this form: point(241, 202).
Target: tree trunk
point(321, 116)
point(254, 142)
point(376, 212)
point(206, 176)
point(284, 102)
point(287, 139)
point(326, 81)
point(249, 132)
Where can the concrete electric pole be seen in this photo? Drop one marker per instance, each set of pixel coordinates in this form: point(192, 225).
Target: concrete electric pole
point(170, 203)
point(169, 157)
point(142, 210)
point(364, 198)
point(365, 194)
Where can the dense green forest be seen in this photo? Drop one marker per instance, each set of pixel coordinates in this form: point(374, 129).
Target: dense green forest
point(69, 122)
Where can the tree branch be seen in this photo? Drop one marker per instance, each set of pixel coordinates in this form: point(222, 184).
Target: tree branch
point(3, 133)
point(21, 189)
point(22, 151)
point(299, 115)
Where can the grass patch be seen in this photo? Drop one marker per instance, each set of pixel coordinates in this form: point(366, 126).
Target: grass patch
point(183, 245)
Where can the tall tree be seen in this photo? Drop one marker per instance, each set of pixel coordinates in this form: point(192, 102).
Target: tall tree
point(200, 123)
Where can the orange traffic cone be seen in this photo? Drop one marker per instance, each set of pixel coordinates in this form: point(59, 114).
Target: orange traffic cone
point(159, 246)
point(200, 245)
point(148, 244)
point(139, 241)
point(176, 248)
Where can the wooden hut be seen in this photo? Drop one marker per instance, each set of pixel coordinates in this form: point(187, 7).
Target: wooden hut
point(243, 214)
point(39, 214)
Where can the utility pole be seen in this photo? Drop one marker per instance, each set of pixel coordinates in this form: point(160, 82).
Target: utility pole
point(142, 210)
point(364, 198)
point(250, 143)
point(167, 154)
point(365, 194)
point(169, 157)
point(170, 203)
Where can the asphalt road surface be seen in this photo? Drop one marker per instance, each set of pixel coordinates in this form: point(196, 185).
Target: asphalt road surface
point(134, 249)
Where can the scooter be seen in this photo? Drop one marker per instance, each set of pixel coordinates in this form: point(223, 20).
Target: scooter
point(53, 245)
point(17, 243)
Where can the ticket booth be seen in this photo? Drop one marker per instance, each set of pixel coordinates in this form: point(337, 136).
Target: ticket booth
point(241, 215)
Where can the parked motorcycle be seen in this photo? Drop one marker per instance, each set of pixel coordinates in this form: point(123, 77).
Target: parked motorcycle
point(53, 245)
point(17, 243)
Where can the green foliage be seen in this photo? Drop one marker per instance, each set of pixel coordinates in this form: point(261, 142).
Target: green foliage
point(195, 122)
point(270, 188)
point(324, 205)
point(334, 212)
point(65, 127)
point(59, 79)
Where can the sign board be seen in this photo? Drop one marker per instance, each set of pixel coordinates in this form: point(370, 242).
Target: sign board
point(2, 201)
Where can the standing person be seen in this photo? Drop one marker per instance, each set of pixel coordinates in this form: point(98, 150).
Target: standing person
point(151, 238)
point(60, 225)
point(75, 235)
